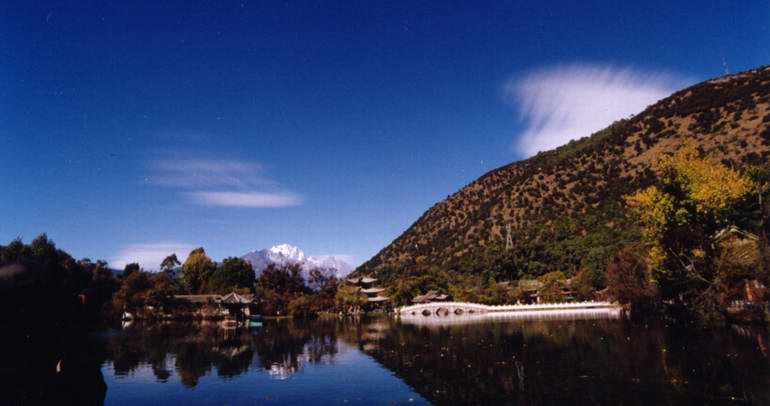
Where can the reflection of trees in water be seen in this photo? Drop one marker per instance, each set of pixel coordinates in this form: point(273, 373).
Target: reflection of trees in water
point(570, 362)
point(195, 350)
point(190, 348)
point(528, 363)
point(283, 347)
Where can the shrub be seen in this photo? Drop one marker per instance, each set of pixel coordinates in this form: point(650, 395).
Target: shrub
point(302, 307)
point(628, 277)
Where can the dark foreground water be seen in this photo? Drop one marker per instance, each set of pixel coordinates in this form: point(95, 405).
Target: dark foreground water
point(382, 361)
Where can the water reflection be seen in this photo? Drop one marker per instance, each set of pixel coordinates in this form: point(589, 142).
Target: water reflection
point(194, 350)
point(524, 362)
point(576, 362)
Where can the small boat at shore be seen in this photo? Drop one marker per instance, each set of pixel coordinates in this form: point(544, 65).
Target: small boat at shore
point(255, 321)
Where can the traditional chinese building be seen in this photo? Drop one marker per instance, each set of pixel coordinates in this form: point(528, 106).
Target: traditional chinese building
point(531, 290)
point(739, 252)
point(431, 296)
point(366, 285)
point(232, 306)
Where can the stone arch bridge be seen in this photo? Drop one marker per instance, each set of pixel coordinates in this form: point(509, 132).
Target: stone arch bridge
point(442, 309)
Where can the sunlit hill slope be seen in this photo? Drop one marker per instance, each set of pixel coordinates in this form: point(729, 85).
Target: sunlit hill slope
point(564, 207)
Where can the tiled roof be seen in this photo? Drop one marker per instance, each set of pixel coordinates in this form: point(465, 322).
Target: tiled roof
point(378, 299)
point(430, 296)
point(234, 298)
point(197, 298)
point(530, 284)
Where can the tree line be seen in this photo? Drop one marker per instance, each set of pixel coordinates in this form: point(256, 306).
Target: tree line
point(52, 273)
point(279, 290)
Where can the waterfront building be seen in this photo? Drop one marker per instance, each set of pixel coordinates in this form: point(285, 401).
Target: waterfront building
point(531, 290)
point(229, 306)
point(366, 285)
point(431, 296)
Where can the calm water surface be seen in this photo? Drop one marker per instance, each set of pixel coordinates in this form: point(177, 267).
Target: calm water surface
point(383, 361)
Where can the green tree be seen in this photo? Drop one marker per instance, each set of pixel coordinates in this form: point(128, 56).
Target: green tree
point(277, 286)
point(52, 270)
point(349, 298)
point(628, 277)
point(583, 284)
point(301, 307)
point(320, 281)
point(760, 209)
point(196, 270)
point(133, 289)
point(161, 292)
point(129, 269)
point(551, 291)
point(170, 263)
point(286, 279)
point(233, 274)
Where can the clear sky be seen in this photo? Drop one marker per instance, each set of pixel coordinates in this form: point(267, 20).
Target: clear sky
point(131, 128)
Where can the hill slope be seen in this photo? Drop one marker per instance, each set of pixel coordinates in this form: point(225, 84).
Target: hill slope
point(563, 207)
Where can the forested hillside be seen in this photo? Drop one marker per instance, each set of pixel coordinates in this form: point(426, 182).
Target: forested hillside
point(565, 207)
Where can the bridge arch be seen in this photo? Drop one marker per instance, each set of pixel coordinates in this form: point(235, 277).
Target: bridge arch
point(445, 309)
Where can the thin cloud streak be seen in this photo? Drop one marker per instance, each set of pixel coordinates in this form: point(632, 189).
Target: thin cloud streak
point(246, 199)
point(574, 101)
point(225, 183)
point(149, 255)
point(203, 173)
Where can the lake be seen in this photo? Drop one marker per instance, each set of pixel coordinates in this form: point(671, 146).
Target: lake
point(594, 361)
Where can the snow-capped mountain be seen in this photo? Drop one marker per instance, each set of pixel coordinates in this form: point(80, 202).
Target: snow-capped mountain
point(331, 262)
point(285, 254)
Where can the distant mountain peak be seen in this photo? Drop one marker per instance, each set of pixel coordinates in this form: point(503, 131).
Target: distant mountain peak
point(287, 254)
point(289, 251)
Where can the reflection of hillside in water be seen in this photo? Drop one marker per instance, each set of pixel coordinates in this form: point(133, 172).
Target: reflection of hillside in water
point(538, 362)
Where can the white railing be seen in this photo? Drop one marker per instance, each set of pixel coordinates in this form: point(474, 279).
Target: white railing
point(451, 306)
point(602, 313)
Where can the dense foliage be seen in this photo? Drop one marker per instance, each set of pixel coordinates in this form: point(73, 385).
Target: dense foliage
point(628, 278)
point(53, 273)
point(284, 291)
point(41, 282)
point(682, 215)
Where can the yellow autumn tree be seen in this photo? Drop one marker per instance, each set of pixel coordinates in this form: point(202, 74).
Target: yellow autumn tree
point(711, 185)
point(692, 200)
point(654, 210)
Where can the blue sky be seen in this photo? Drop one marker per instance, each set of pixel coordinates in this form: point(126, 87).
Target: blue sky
point(128, 129)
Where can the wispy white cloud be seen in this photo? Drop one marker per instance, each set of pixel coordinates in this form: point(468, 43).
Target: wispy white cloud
point(205, 173)
point(149, 255)
point(569, 102)
point(246, 199)
point(228, 183)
